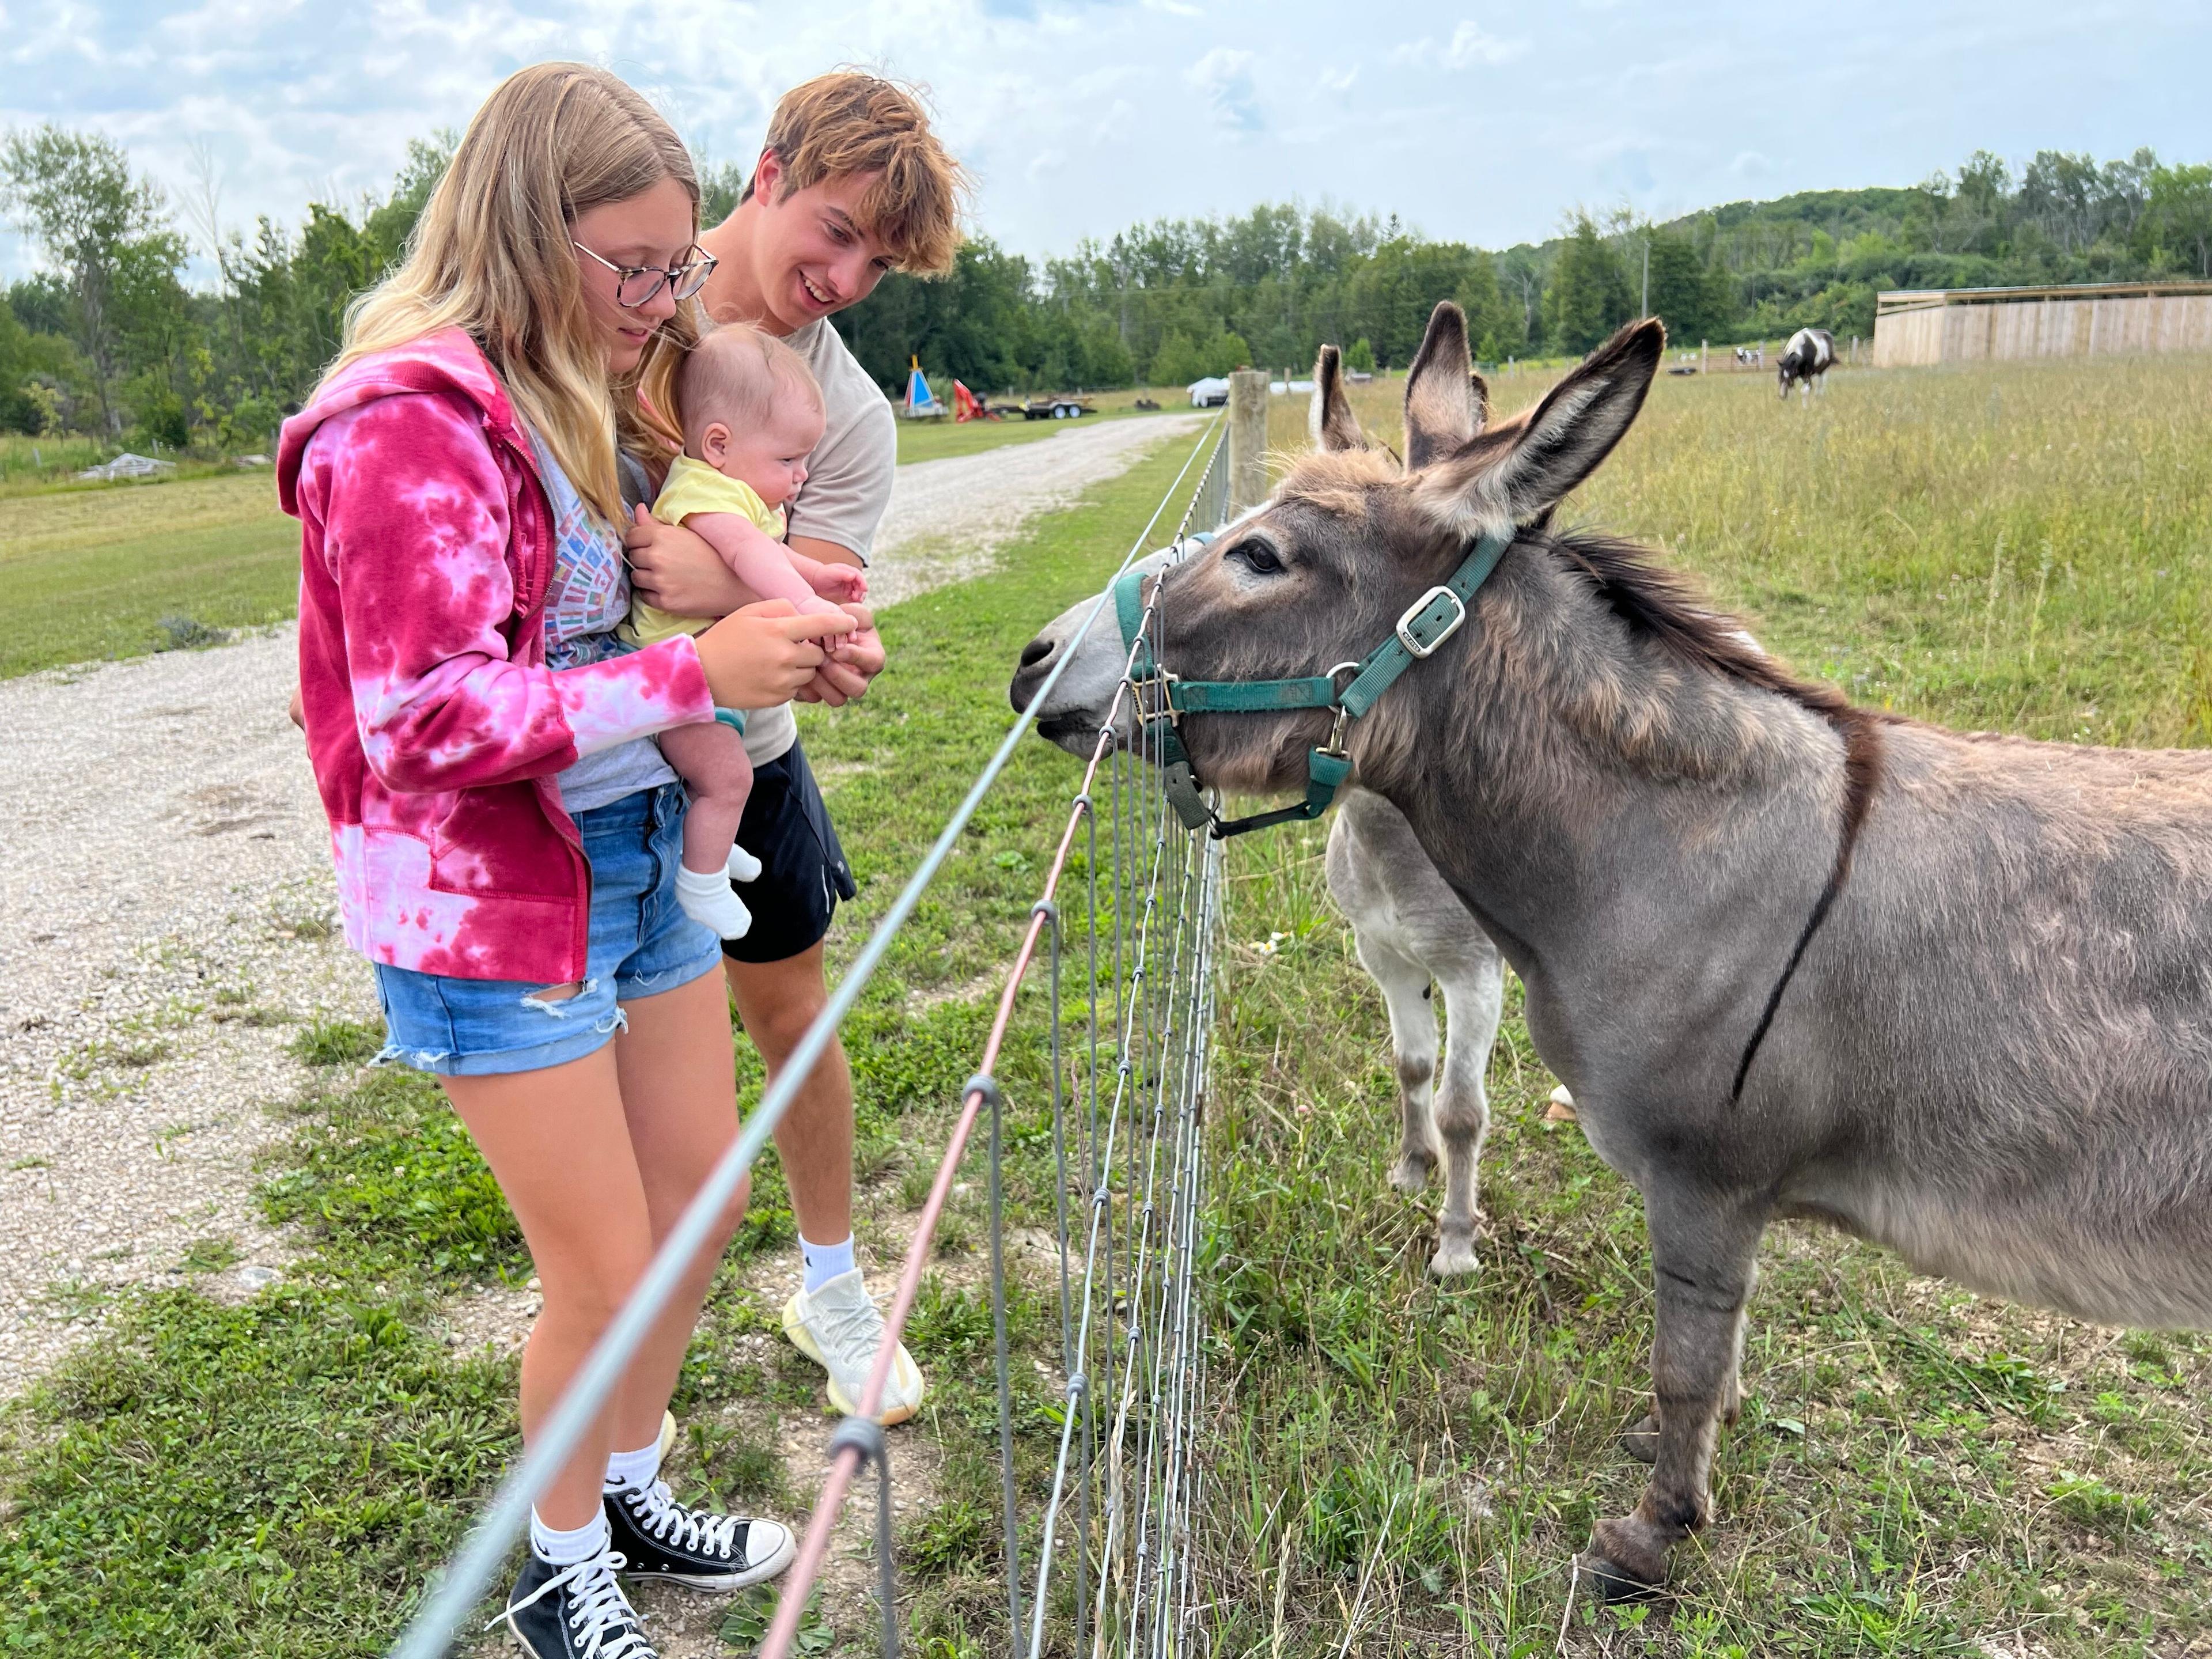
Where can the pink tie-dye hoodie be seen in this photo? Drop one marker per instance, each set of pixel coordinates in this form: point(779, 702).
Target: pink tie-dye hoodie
point(433, 724)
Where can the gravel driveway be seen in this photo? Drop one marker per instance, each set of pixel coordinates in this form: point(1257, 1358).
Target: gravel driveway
point(165, 922)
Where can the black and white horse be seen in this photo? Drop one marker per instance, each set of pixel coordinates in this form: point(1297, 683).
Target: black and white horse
point(1807, 360)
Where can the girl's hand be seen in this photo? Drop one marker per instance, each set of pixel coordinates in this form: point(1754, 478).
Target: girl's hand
point(858, 659)
point(677, 569)
point(764, 654)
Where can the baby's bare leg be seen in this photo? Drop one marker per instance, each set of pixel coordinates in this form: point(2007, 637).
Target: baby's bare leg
point(711, 760)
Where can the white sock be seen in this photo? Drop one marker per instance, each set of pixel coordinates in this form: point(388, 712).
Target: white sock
point(743, 865)
point(705, 896)
point(825, 1262)
point(565, 1549)
point(639, 1468)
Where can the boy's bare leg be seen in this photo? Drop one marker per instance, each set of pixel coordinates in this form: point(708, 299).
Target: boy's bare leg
point(719, 776)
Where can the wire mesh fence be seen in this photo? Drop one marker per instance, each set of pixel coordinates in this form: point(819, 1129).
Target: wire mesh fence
point(1098, 1564)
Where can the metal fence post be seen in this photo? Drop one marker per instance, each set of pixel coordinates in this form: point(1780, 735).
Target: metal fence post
point(1248, 438)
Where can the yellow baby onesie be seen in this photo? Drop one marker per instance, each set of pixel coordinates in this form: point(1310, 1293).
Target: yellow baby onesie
point(695, 487)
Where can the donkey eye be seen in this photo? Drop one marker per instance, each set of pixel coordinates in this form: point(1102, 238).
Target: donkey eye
point(1258, 556)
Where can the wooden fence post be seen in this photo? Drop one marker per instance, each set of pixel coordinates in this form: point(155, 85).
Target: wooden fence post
point(1248, 438)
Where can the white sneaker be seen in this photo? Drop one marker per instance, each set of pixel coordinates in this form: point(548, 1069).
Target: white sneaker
point(838, 1329)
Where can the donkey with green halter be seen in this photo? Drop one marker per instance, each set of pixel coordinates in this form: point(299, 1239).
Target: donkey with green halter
point(1952, 993)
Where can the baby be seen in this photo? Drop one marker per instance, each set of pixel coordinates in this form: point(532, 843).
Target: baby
point(751, 413)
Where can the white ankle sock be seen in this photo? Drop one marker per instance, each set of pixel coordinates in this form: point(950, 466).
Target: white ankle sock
point(565, 1549)
point(705, 896)
point(743, 865)
point(824, 1262)
point(640, 1467)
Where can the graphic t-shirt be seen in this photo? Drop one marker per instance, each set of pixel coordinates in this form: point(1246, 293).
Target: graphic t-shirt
point(587, 599)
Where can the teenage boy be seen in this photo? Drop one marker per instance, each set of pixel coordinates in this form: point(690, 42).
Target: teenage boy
point(851, 183)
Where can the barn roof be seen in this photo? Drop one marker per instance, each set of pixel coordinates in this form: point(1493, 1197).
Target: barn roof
point(1922, 299)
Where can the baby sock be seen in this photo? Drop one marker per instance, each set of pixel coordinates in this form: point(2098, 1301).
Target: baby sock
point(824, 1262)
point(705, 896)
point(743, 866)
point(565, 1549)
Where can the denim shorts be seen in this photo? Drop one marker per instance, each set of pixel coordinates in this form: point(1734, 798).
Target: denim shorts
point(642, 945)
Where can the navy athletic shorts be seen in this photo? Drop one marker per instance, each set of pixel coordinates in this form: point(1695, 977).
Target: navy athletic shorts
point(803, 869)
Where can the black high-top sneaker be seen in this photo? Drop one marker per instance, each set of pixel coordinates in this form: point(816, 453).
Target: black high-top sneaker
point(662, 1539)
point(574, 1613)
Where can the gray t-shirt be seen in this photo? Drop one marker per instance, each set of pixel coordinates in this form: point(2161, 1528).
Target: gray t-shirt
point(849, 485)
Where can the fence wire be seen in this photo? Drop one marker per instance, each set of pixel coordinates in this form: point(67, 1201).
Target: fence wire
point(1111, 1578)
point(1099, 1565)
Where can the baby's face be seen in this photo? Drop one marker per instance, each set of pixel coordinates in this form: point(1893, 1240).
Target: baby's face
point(771, 457)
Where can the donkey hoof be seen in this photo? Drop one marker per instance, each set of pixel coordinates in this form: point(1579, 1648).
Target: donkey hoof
point(1411, 1173)
point(1640, 1439)
point(1455, 1257)
point(1609, 1582)
point(1560, 1107)
point(1625, 1562)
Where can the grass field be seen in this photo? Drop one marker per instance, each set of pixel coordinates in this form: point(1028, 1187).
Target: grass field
point(92, 572)
point(1917, 1471)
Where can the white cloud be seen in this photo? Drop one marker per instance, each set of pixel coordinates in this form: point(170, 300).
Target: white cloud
point(1470, 46)
point(1224, 77)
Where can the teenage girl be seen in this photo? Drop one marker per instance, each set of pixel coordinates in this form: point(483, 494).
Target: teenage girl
point(506, 833)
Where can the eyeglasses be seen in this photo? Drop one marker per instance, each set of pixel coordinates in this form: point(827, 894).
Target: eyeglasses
point(635, 284)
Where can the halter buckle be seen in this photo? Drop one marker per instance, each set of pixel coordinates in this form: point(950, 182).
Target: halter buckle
point(1154, 696)
point(1423, 642)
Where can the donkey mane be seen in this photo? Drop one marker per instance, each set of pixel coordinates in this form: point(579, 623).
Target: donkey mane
point(1669, 608)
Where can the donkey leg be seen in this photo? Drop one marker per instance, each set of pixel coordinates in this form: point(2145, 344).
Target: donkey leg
point(1405, 985)
point(1704, 1246)
point(1474, 1000)
point(1640, 1440)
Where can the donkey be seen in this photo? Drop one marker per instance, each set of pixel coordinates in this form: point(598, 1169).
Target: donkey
point(1807, 360)
point(1953, 992)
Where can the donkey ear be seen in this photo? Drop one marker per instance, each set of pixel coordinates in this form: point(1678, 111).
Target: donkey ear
point(1331, 419)
point(1508, 476)
point(1479, 389)
point(1442, 411)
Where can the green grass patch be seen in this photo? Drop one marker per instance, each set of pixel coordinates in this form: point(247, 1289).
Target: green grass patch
point(120, 570)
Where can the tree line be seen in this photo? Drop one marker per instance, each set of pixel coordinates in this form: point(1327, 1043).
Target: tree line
point(109, 338)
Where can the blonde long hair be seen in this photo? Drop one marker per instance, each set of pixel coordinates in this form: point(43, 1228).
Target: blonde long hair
point(490, 254)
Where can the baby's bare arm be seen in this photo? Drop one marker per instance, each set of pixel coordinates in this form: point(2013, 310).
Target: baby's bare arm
point(757, 559)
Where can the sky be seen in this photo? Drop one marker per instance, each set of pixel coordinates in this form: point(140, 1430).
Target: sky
point(1079, 116)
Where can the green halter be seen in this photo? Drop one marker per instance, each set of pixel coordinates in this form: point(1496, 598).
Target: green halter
point(1163, 699)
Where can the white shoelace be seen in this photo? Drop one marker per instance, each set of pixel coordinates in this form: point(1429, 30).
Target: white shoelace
point(855, 1332)
point(605, 1625)
point(656, 1510)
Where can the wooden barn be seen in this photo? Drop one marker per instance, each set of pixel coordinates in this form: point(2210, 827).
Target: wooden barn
point(1972, 324)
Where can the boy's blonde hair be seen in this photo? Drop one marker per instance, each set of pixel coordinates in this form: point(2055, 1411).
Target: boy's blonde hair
point(736, 374)
point(848, 122)
point(491, 254)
